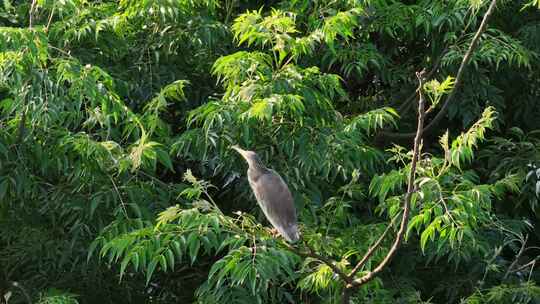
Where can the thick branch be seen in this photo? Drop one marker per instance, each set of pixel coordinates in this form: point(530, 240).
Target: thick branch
point(347, 291)
point(459, 80)
point(407, 201)
point(370, 251)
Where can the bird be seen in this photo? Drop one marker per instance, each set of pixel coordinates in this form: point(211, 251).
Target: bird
point(272, 195)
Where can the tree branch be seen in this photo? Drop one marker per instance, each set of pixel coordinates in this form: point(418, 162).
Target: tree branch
point(20, 131)
point(516, 259)
point(371, 250)
point(50, 18)
point(350, 287)
point(22, 123)
point(31, 14)
point(529, 264)
point(350, 282)
point(405, 106)
point(23, 290)
point(459, 80)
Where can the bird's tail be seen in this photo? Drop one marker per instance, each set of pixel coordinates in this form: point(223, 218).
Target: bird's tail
point(292, 234)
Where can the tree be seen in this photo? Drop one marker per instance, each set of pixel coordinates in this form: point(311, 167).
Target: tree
point(117, 181)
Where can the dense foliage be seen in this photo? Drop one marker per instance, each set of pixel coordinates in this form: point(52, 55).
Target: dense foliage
point(118, 184)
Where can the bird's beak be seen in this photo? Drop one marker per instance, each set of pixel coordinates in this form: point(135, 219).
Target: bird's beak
point(239, 150)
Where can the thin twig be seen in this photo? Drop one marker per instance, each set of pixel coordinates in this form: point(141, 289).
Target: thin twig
point(312, 254)
point(22, 123)
point(441, 199)
point(459, 80)
point(67, 53)
point(25, 293)
point(405, 106)
point(521, 250)
point(530, 263)
point(328, 262)
point(50, 18)
point(31, 14)
point(119, 196)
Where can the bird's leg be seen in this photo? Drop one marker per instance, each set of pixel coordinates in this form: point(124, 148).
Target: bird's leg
point(273, 232)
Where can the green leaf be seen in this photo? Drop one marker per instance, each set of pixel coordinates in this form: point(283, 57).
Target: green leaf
point(164, 158)
point(170, 258)
point(135, 261)
point(261, 110)
point(193, 245)
point(124, 264)
point(92, 248)
point(151, 268)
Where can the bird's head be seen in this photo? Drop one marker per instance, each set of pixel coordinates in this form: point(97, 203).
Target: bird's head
point(251, 157)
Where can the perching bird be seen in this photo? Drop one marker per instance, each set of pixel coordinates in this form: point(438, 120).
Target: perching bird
point(273, 196)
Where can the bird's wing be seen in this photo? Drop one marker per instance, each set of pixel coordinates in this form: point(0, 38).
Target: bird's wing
point(277, 204)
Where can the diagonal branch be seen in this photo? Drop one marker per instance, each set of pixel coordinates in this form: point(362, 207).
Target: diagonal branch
point(405, 106)
point(350, 287)
point(459, 80)
point(371, 250)
point(529, 264)
point(350, 282)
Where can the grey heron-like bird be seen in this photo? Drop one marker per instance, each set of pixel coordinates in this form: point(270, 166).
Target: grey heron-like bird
point(272, 194)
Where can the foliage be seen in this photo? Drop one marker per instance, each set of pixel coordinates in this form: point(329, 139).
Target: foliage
point(524, 293)
point(450, 206)
point(106, 105)
point(57, 297)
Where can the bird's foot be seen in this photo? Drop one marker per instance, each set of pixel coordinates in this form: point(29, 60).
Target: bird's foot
point(273, 232)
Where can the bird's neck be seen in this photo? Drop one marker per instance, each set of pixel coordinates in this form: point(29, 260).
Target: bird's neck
point(256, 164)
point(256, 170)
